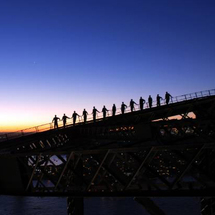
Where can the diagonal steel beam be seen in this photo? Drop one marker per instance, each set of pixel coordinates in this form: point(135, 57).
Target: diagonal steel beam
point(187, 167)
point(43, 170)
point(32, 175)
point(76, 163)
point(60, 158)
point(105, 170)
point(41, 176)
point(209, 177)
point(150, 169)
point(140, 167)
point(64, 169)
point(95, 175)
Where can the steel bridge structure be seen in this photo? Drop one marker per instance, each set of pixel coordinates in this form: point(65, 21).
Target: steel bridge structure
point(160, 151)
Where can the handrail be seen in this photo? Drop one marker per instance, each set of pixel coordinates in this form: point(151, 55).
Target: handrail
point(50, 126)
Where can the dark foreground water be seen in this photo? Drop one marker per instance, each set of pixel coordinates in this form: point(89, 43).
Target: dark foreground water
point(10, 205)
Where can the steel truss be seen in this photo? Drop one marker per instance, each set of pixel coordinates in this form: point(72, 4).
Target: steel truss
point(183, 170)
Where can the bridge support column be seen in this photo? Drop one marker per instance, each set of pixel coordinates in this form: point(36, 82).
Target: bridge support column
point(208, 206)
point(75, 206)
point(149, 205)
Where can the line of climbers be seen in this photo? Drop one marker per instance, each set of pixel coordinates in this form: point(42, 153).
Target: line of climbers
point(105, 110)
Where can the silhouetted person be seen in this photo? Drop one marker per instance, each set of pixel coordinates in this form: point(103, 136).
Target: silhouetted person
point(167, 97)
point(141, 103)
point(64, 120)
point(85, 115)
point(74, 116)
point(159, 100)
point(150, 101)
point(123, 106)
point(104, 110)
point(94, 113)
point(132, 105)
point(55, 120)
point(113, 110)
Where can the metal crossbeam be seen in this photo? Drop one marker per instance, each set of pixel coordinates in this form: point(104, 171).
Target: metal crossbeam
point(64, 169)
point(32, 175)
point(187, 167)
point(138, 170)
point(95, 175)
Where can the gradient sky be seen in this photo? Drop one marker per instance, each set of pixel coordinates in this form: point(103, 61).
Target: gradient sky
point(57, 56)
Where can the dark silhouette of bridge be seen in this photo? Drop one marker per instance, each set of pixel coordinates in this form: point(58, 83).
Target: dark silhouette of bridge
point(160, 151)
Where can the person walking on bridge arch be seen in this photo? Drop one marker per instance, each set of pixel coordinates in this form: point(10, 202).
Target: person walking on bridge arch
point(64, 118)
point(150, 101)
point(104, 110)
point(123, 107)
point(85, 115)
point(141, 103)
point(132, 105)
point(167, 97)
point(94, 113)
point(55, 120)
point(158, 100)
point(74, 116)
point(113, 110)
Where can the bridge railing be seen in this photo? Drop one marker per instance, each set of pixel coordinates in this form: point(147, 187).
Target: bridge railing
point(50, 126)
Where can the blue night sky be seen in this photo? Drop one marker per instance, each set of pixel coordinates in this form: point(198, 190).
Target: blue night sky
point(57, 56)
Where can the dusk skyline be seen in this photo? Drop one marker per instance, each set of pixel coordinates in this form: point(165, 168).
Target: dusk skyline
point(61, 56)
